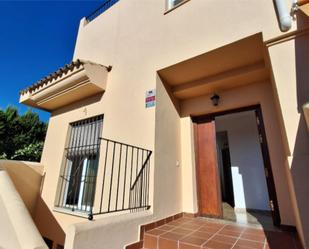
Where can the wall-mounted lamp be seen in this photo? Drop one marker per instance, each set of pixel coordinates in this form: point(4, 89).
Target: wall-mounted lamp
point(215, 99)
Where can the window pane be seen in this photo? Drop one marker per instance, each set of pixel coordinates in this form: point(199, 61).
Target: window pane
point(82, 162)
point(173, 3)
point(89, 181)
point(74, 182)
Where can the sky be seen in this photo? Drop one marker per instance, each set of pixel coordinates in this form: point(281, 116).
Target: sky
point(36, 38)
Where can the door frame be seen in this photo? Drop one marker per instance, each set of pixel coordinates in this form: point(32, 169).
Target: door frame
point(273, 201)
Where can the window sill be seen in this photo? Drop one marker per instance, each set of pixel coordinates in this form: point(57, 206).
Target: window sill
point(175, 7)
point(70, 212)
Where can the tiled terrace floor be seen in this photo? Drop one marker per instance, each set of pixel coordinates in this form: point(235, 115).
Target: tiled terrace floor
point(195, 233)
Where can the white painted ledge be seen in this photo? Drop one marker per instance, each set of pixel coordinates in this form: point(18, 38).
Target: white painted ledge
point(112, 232)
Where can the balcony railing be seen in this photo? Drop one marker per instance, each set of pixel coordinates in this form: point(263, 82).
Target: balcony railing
point(121, 185)
point(105, 6)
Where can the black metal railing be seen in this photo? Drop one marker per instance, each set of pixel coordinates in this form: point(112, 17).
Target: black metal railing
point(106, 5)
point(125, 184)
point(121, 185)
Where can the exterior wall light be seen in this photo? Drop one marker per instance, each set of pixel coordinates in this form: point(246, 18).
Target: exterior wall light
point(215, 99)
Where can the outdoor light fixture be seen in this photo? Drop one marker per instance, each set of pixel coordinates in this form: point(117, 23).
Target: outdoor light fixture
point(215, 99)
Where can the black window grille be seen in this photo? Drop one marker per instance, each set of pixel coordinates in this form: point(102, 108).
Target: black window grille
point(78, 178)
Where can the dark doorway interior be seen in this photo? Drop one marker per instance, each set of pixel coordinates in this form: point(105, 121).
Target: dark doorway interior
point(224, 163)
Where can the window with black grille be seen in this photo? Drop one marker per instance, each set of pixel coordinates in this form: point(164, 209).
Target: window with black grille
point(174, 3)
point(78, 181)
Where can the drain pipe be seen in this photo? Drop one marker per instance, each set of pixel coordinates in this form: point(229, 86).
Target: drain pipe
point(284, 16)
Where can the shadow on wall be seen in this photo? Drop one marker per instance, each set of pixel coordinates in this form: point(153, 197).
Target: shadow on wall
point(47, 224)
point(299, 164)
point(79, 104)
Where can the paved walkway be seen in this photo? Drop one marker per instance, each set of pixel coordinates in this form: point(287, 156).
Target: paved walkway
point(200, 233)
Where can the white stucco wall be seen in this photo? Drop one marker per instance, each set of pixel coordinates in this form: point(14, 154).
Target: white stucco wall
point(249, 183)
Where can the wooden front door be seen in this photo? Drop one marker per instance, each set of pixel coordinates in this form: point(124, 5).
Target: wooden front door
point(207, 172)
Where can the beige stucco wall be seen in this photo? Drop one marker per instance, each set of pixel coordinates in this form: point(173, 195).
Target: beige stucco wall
point(106, 233)
point(289, 61)
point(137, 39)
point(17, 230)
point(189, 188)
point(167, 171)
point(27, 178)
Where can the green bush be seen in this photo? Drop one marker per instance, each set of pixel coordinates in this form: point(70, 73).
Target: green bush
point(21, 136)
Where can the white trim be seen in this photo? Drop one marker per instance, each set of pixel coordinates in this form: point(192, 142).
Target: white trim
point(65, 191)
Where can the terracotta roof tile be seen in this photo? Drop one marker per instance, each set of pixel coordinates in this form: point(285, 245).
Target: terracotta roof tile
point(57, 74)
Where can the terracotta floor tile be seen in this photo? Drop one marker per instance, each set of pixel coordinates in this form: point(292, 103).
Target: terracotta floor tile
point(197, 241)
point(234, 228)
point(166, 227)
point(172, 236)
point(197, 222)
point(156, 232)
point(254, 231)
point(191, 226)
point(224, 239)
point(186, 219)
point(241, 247)
point(250, 244)
point(181, 230)
point(150, 242)
point(201, 234)
point(149, 226)
point(197, 233)
point(212, 244)
point(160, 222)
point(167, 244)
point(186, 246)
point(175, 223)
point(254, 237)
point(229, 233)
point(209, 229)
point(213, 225)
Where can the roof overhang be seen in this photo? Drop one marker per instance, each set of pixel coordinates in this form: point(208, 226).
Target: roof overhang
point(236, 64)
point(71, 83)
point(303, 5)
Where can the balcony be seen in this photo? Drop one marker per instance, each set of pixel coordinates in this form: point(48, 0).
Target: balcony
point(71, 83)
point(105, 6)
point(122, 186)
